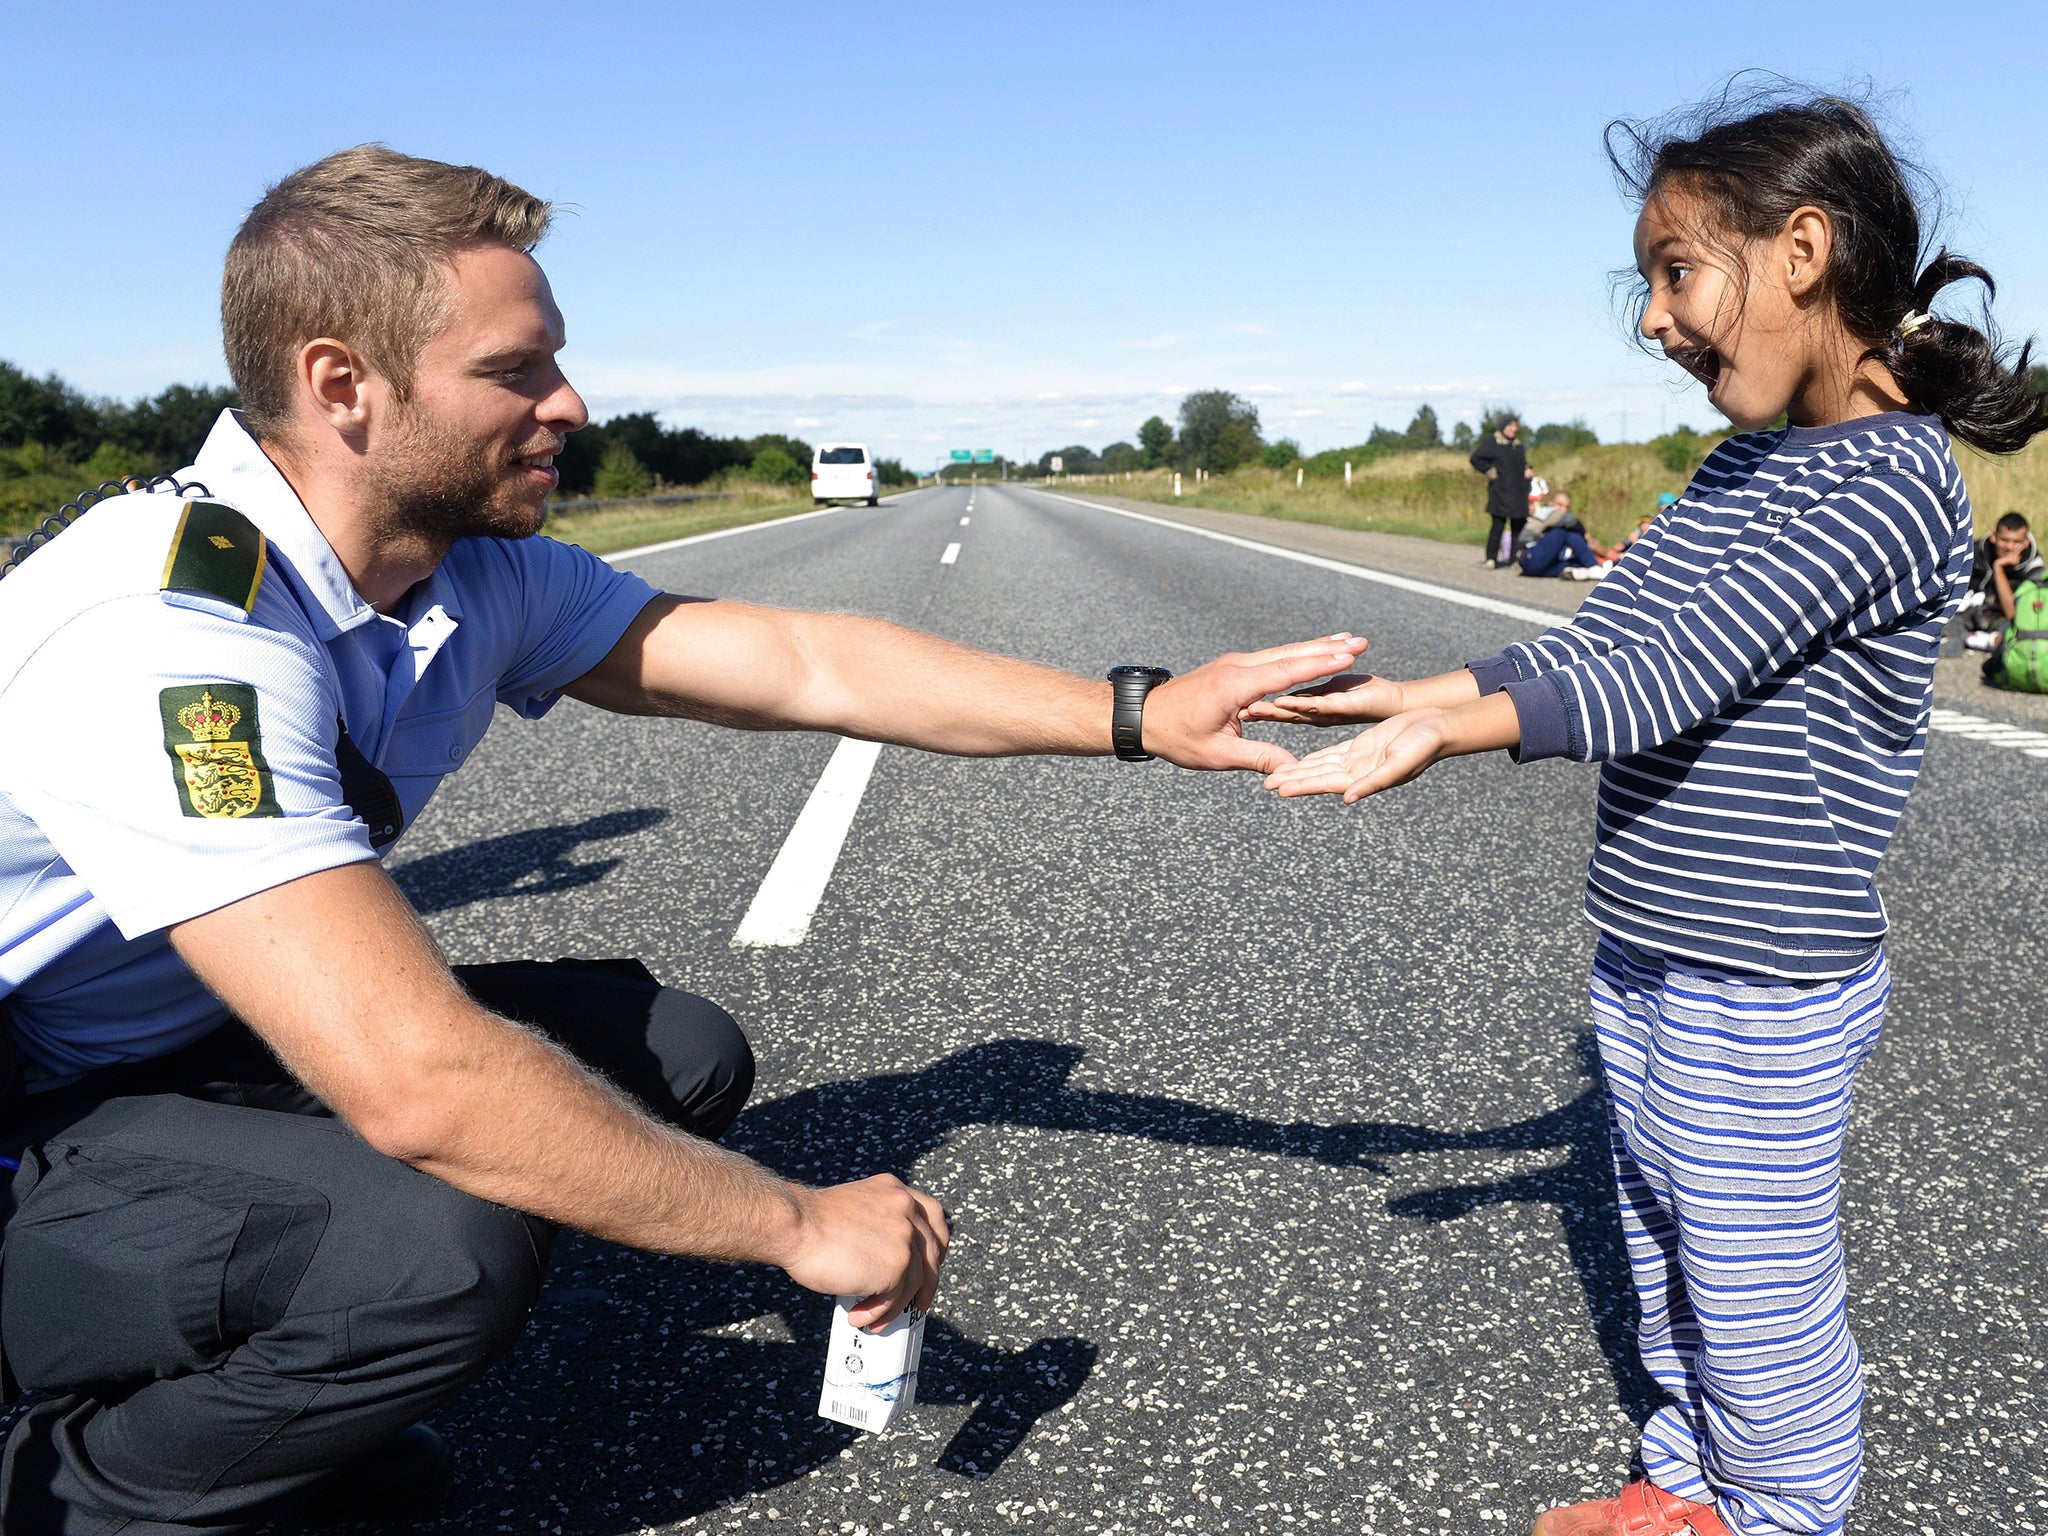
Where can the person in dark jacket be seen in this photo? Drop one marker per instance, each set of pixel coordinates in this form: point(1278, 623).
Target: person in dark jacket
point(1505, 463)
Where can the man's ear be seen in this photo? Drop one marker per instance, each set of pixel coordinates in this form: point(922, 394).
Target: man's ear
point(1806, 244)
point(337, 384)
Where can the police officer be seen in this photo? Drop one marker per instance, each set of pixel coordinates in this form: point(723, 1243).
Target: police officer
point(286, 1180)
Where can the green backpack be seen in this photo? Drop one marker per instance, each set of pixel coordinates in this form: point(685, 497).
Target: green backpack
point(2023, 652)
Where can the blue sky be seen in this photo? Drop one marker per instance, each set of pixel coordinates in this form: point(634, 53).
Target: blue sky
point(981, 226)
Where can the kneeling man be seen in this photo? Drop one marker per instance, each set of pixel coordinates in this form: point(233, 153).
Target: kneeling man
point(286, 1180)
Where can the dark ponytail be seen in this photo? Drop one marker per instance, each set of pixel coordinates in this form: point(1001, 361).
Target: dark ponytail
point(1751, 157)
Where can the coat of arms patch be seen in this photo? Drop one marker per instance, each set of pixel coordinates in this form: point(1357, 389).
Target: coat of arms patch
point(215, 743)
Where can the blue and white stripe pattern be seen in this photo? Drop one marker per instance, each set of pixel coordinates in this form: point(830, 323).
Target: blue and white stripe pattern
point(1756, 675)
point(1728, 1099)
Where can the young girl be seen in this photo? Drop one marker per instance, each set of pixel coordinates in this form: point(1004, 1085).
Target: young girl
point(1755, 677)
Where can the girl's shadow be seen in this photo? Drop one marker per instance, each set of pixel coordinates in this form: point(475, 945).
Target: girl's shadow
point(1582, 1189)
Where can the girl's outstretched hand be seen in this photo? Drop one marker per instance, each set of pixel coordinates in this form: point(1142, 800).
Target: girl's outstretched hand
point(1391, 753)
point(1341, 700)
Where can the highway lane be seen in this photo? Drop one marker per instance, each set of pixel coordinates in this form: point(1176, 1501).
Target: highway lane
point(1268, 1129)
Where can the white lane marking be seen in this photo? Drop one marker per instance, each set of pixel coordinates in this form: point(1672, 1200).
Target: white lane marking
point(795, 884)
point(952, 553)
point(1541, 616)
point(963, 522)
point(1953, 722)
point(726, 533)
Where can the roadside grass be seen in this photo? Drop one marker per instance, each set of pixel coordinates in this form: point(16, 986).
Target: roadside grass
point(631, 524)
point(1435, 494)
point(2000, 484)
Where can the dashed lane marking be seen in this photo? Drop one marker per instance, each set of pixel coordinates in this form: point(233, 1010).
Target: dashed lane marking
point(1952, 722)
point(964, 522)
point(788, 898)
point(952, 553)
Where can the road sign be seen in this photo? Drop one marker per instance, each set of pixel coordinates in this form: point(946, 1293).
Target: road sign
point(962, 455)
point(1058, 464)
point(984, 455)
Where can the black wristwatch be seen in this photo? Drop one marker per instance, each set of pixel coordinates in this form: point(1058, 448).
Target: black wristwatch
point(1127, 717)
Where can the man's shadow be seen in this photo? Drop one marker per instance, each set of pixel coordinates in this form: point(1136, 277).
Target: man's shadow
point(847, 1130)
point(531, 863)
point(653, 1389)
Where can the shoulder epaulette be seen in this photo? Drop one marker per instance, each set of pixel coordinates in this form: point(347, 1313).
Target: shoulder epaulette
point(217, 553)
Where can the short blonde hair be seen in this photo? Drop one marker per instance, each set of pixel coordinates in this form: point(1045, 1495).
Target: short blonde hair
point(357, 247)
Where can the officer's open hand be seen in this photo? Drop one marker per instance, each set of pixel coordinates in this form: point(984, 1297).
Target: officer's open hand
point(1195, 721)
point(877, 1238)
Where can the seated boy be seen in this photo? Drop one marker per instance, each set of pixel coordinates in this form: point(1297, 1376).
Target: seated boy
point(2003, 561)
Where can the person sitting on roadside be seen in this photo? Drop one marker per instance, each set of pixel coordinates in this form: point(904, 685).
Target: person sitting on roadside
point(1564, 548)
point(2003, 561)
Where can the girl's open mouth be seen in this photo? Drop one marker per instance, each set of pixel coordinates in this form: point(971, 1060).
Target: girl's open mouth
point(1704, 364)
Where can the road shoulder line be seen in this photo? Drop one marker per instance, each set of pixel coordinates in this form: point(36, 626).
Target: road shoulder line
point(1542, 616)
point(725, 533)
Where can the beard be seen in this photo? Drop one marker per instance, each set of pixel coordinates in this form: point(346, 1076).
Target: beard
point(438, 485)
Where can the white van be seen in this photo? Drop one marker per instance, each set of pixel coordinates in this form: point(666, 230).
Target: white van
point(844, 472)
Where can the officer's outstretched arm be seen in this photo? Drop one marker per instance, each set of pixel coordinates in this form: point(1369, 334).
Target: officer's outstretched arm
point(338, 975)
point(778, 669)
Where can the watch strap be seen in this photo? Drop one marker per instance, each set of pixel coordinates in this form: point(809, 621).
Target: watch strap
point(1129, 687)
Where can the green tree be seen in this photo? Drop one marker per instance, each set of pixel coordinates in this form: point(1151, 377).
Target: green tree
point(1573, 434)
point(1423, 431)
point(1462, 437)
point(1155, 442)
point(1075, 459)
point(47, 410)
point(1680, 452)
point(775, 465)
point(1119, 457)
point(1280, 454)
point(620, 474)
point(798, 450)
point(169, 427)
point(1218, 431)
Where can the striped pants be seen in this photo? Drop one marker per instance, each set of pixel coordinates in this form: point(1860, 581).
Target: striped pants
point(1728, 1098)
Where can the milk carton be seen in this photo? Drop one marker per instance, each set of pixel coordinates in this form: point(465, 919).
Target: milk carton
point(870, 1375)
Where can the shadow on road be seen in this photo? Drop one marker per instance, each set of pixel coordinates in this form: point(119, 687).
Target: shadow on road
point(650, 1390)
point(531, 863)
point(1582, 1189)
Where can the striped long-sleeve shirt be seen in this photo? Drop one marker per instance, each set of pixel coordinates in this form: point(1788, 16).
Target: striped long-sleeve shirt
point(1755, 677)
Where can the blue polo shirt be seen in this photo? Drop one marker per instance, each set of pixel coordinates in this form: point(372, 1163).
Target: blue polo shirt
point(168, 752)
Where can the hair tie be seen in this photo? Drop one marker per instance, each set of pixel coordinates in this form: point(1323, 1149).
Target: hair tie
point(1915, 319)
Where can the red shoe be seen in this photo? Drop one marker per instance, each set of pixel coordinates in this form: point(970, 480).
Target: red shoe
point(1642, 1509)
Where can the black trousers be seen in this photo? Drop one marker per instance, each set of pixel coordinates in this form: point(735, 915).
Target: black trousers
point(1502, 535)
point(226, 1293)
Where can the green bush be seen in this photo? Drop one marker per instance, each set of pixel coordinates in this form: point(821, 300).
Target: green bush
point(1280, 454)
point(1680, 452)
point(776, 467)
point(620, 474)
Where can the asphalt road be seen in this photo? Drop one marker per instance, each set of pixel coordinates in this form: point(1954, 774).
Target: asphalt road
point(1271, 1131)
